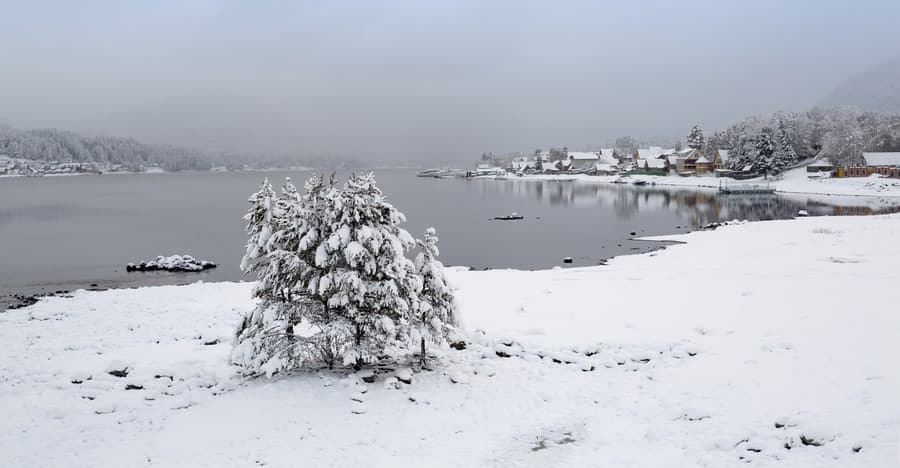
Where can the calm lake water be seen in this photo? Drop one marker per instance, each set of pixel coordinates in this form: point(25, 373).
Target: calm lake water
point(62, 233)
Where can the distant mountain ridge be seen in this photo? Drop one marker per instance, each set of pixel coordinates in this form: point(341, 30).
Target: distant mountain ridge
point(877, 89)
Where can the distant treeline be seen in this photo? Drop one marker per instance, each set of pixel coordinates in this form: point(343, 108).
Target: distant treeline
point(130, 154)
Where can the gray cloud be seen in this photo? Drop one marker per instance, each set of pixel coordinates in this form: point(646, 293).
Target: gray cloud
point(429, 80)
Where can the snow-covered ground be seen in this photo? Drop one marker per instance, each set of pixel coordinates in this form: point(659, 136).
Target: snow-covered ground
point(793, 181)
point(775, 343)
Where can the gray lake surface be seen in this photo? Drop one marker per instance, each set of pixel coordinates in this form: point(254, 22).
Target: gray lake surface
point(65, 233)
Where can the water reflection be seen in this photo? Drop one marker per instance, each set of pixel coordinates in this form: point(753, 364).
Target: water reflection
point(696, 207)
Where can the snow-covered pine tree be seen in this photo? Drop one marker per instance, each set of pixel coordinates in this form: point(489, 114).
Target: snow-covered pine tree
point(260, 219)
point(335, 268)
point(368, 286)
point(538, 162)
point(266, 340)
point(784, 153)
point(765, 153)
point(695, 138)
point(436, 309)
point(261, 339)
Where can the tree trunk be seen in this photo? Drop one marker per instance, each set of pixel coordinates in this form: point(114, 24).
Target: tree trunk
point(422, 356)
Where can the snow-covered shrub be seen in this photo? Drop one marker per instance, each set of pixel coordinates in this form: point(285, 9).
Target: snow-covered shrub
point(334, 283)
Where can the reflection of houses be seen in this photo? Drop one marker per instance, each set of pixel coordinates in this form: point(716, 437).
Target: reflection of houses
point(886, 164)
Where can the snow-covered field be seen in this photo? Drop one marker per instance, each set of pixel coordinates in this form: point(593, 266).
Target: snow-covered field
point(793, 181)
point(775, 343)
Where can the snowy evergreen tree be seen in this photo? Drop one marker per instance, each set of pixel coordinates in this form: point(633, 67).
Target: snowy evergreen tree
point(845, 147)
point(695, 138)
point(764, 162)
point(538, 162)
point(334, 283)
point(369, 286)
point(262, 341)
point(743, 153)
point(260, 219)
point(435, 312)
point(784, 155)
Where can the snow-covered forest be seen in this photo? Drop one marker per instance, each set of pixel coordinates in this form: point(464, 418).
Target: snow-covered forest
point(839, 134)
point(130, 154)
point(64, 146)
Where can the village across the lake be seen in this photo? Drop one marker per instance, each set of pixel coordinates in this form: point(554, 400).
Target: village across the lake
point(658, 161)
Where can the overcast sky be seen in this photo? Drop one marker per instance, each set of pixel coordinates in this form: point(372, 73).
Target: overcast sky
point(431, 80)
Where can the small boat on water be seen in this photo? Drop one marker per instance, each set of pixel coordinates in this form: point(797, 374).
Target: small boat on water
point(640, 182)
point(430, 173)
point(510, 217)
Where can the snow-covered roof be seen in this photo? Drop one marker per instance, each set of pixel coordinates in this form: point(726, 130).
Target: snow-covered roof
point(649, 153)
point(606, 159)
point(703, 160)
point(724, 154)
point(882, 159)
point(583, 155)
point(821, 162)
point(685, 151)
point(655, 163)
point(607, 152)
point(603, 167)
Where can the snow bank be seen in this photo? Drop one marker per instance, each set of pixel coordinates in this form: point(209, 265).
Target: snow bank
point(774, 343)
point(794, 181)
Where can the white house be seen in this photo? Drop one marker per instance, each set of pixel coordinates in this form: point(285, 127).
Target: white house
point(521, 163)
point(582, 160)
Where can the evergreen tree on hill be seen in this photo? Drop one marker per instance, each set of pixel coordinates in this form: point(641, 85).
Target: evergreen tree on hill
point(695, 138)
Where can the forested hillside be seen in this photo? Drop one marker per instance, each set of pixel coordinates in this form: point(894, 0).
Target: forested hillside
point(63, 146)
point(130, 154)
point(839, 134)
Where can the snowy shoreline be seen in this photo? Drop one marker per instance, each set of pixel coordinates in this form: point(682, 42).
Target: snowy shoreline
point(685, 356)
point(794, 182)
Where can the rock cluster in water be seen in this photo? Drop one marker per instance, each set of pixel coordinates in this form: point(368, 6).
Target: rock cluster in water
point(177, 263)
